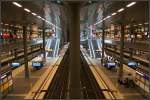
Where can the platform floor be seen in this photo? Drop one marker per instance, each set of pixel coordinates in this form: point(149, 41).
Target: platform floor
point(22, 86)
point(129, 93)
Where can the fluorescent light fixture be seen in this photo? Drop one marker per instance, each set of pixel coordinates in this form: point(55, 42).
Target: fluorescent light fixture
point(113, 14)
point(120, 10)
point(146, 23)
point(34, 14)
point(27, 10)
point(18, 26)
point(17, 4)
point(108, 17)
point(43, 19)
point(135, 25)
point(39, 17)
point(47, 21)
point(131, 4)
point(104, 19)
point(140, 24)
point(6, 24)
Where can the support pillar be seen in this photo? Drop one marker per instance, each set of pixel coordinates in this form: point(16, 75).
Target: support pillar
point(25, 52)
point(0, 51)
point(132, 39)
point(103, 35)
point(74, 70)
point(43, 35)
point(121, 53)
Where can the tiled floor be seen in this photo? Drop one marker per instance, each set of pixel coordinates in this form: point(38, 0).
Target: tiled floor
point(129, 93)
point(22, 86)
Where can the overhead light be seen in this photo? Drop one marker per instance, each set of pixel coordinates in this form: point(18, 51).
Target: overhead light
point(135, 25)
point(17, 4)
point(27, 10)
point(140, 24)
point(104, 18)
point(58, 1)
point(120, 10)
point(108, 17)
point(6, 24)
point(146, 23)
point(43, 19)
point(39, 17)
point(1, 23)
point(47, 21)
point(131, 4)
point(34, 14)
point(113, 14)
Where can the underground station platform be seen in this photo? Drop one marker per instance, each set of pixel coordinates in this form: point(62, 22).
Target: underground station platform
point(74, 49)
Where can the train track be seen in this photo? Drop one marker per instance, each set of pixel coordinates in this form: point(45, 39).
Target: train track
point(58, 89)
point(90, 87)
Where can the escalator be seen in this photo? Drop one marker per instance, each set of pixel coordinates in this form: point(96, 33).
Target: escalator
point(95, 48)
point(52, 47)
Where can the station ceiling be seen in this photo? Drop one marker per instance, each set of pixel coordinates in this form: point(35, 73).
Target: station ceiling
point(15, 15)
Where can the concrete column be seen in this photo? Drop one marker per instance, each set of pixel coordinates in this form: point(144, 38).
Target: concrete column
point(121, 53)
point(103, 35)
point(74, 70)
point(43, 34)
point(25, 52)
point(0, 49)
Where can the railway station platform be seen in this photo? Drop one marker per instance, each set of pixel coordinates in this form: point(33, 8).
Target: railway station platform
point(22, 86)
point(75, 49)
point(133, 93)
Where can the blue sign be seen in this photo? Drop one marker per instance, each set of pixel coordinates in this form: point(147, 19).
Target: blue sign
point(15, 64)
point(132, 64)
point(111, 64)
point(37, 64)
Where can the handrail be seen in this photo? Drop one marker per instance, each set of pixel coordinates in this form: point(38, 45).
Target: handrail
point(106, 86)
